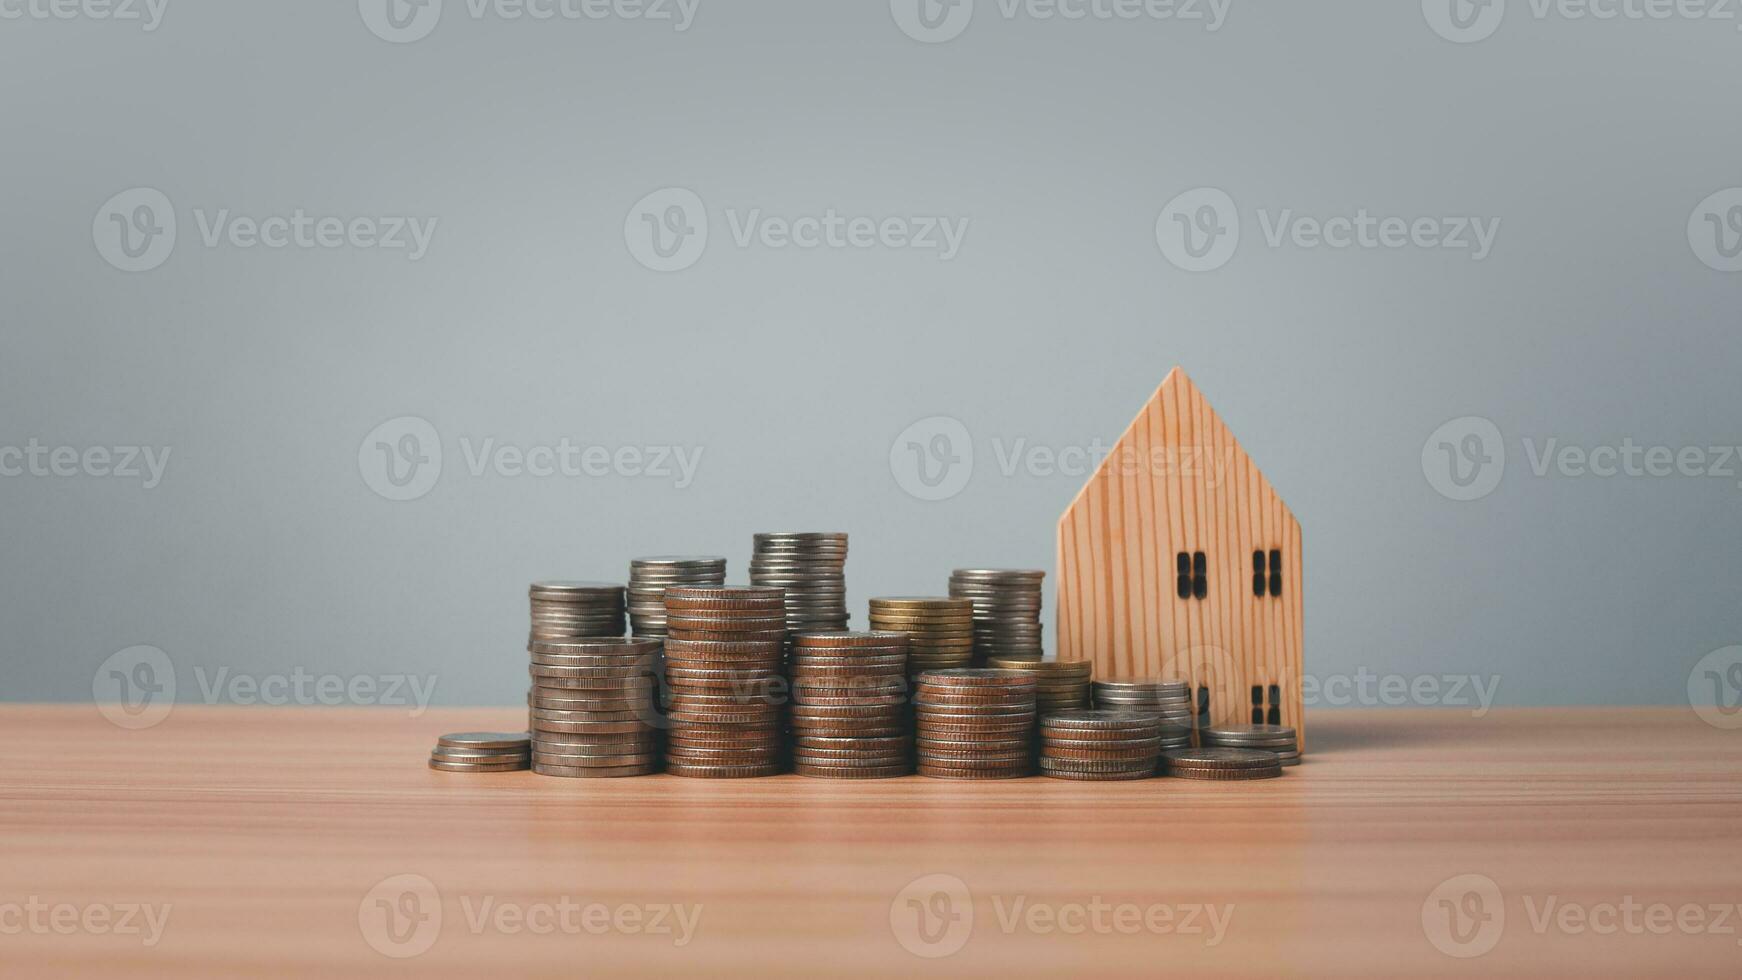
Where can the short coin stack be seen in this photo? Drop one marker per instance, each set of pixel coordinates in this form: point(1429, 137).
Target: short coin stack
point(481, 752)
point(723, 680)
point(1169, 698)
point(1175, 737)
point(561, 609)
point(593, 708)
point(849, 711)
point(975, 724)
point(1272, 738)
point(1006, 610)
point(1060, 685)
point(940, 630)
point(1219, 763)
point(811, 567)
point(1100, 745)
point(649, 578)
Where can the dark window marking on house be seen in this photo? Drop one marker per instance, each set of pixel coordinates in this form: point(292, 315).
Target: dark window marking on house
point(1267, 572)
point(1191, 575)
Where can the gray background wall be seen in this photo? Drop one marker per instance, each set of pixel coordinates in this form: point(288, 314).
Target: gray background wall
point(266, 551)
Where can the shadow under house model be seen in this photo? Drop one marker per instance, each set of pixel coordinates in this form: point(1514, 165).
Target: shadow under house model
point(1179, 560)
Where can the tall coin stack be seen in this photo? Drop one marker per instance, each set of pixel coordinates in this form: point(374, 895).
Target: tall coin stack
point(812, 568)
point(1100, 745)
point(593, 708)
point(975, 724)
point(940, 630)
point(849, 711)
point(1006, 610)
point(1061, 685)
point(723, 680)
point(1170, 699)
point(562, 609)
point(649, 578)
point(1271, 738)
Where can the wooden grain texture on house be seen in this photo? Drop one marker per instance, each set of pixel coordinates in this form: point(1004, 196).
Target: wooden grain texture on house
point(1177, 483)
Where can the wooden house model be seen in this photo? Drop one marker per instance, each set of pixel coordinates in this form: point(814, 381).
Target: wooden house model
point(1177, 559)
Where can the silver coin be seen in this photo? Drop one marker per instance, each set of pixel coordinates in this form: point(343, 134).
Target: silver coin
point(590, 755)
point(805, 539)
point(571, 587)
point(479, 767)
point(577, 700)
point(480, 755)
point(593, 646)
point(621, 744)
point(484, 740)
point(1143, 686)
point(1249, 733)
point(542, 613)
point(578, 772)
point(541, 727)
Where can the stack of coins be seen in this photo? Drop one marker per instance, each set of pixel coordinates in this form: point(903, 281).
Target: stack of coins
point(1100, 745)
point(1279, 739)
point(593, 706)
point(1060, 685)
point(482, 752)
point(1175, 737)
point(724, 689)
point(649, 577)
point(849, 705)
point(1220, 763)
point(1168, 698)
point(562, 609)
point(812, 568)
point(975, 724)
point(1006, 610)
point(940, 630)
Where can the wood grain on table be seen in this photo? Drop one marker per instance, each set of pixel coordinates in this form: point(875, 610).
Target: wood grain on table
point(268, 834)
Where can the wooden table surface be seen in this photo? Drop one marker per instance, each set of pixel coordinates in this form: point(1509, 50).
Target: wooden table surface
point(316, 842)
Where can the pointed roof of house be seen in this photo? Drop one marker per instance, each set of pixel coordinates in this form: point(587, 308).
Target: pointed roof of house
point(1177, 427)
